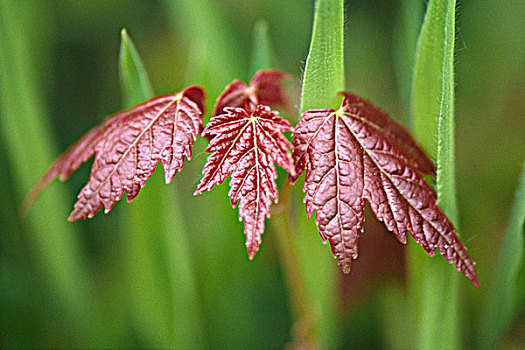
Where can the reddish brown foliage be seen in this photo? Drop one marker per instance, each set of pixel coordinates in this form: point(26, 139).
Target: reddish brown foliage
point(127, 147)
point(265, 88)
point(350, 156)
point(246, 144)
point(355, 154)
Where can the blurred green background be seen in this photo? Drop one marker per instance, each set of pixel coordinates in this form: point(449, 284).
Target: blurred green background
point(170, 270)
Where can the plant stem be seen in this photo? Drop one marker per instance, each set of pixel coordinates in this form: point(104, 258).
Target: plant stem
point(26, 132)
point(323, 78)
point(434, 285)
point(296, 285)
point(506, 294)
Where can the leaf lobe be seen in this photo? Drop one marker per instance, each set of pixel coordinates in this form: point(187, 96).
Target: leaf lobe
point(265, 88)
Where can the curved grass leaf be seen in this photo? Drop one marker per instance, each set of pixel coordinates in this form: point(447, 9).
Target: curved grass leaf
point(227, 297)
point(134, 81)
point(506, 295)
point(204, 24)
point(26, 133)
point(163, 298)
point(433, 286)
point(323, 78)
point(407, 28)
point(261, 47)
point(324, 70)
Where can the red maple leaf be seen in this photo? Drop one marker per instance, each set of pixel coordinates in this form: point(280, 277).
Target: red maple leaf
point(265, 88)
point(358, 153)
point(127, 148)
point(246, 144)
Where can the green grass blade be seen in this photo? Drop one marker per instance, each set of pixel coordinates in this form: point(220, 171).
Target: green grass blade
point(163, 304)
point(230, 284)
point(323, 78)
point(434, 283)
point(506, 296)
point(407, 28)
point(134, 81)
point(262, 50)
point(27, 136)
point(204, 26)
point(324, 70)
point(281, 230)
point(395, 318)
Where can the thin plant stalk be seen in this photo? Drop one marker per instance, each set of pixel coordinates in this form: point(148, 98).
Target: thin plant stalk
point(163, 298)
point(26, 129)
point(506, 294)
point(434, 285)
point(323, 78)
point(262, 58)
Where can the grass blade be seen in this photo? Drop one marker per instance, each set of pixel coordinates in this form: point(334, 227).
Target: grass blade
point(163, 303)
point(204, 25)
point(282, 231)
point(262, 51)
point(506, 295)
point(323, 78)
point(134, 81)
point(230, 284)
point(395, 318)
point(324, 70)
point(433, 283)
point(27, 135)
point(405, 41)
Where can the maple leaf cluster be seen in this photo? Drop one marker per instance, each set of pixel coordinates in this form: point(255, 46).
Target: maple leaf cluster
point(350, 155)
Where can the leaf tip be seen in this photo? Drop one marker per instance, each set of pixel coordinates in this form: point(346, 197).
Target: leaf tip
point(346, 267)
point(252, 250)
point(197, 94)
point(74, 216)
point(123, 33)
point(28, 201)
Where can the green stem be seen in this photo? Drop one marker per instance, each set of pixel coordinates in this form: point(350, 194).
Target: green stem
point(506, 294)
point(296, 286)
point(303, 315)
point(323, 78)
point(434, 285)
point(26, 132)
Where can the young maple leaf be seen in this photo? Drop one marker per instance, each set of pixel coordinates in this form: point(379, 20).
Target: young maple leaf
point(127, 147)
point(246, 144)
point(358, 153)
point(265, 88)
